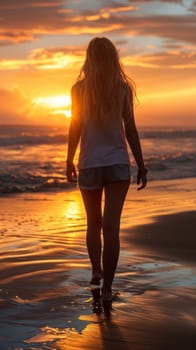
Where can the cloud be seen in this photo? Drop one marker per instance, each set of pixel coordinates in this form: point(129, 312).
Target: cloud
point(16, 37)
point(176, 56)
point(49, 53)
point(177, 28)
point(22, 19)
point(14, 106)
point(169, 1)
point(46, 59)
point(26, 21)
point(173, 59)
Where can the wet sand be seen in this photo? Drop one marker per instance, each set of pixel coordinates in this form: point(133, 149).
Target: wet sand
point(44, 272)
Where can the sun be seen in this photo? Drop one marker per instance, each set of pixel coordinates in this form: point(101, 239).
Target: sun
point(60, 104)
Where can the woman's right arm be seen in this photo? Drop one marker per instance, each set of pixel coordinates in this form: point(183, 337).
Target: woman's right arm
point(74, 134)
point(133, 138)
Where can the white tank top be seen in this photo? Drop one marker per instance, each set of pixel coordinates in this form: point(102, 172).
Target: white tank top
point(103, 146)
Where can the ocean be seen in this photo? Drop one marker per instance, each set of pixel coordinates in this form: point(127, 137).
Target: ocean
point(33, 158)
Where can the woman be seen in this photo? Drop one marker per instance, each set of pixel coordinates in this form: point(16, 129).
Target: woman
point(102, 119)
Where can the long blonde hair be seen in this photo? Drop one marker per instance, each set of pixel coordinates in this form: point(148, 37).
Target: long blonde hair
point(102, 77)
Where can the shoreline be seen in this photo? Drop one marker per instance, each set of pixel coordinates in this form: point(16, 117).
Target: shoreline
point(63, 188)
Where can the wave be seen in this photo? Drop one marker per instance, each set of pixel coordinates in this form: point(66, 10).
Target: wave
point(32, 140)
point(34, 135)
point(33, 158)
point(168, 134)
point(43, 177)
point(18, 183)
point(31, 135)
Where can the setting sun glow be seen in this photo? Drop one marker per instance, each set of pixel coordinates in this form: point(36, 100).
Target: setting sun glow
point(42, 60)
point(60, 104)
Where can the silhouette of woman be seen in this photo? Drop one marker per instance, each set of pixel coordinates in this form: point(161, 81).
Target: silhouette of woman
point(102, 120)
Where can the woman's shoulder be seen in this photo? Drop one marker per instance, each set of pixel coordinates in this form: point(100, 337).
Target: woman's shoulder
point(77, 86)
point(126, 91)
point(126, 87)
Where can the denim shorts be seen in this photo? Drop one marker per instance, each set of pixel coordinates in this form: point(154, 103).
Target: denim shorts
point(94, 178)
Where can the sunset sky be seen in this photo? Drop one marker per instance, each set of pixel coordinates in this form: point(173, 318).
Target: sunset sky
point(43, 43)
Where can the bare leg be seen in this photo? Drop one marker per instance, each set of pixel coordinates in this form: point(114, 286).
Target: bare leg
point(92, 203)
point(115, 194)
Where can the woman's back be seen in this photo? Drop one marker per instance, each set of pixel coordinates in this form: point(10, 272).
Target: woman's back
point(102, 141)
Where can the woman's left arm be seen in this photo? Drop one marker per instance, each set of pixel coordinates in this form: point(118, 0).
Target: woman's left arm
point(74, 134)
point(133, 139)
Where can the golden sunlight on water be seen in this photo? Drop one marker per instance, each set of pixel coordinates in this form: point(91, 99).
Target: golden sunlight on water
point(74, 207)
point(45, 240)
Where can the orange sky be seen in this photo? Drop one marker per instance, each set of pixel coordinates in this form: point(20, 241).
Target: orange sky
point(42, 47)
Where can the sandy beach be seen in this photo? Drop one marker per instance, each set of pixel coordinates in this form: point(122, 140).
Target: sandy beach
point(44, 272)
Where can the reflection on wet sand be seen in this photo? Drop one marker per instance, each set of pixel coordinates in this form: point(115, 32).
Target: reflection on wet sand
point(150, 322)
point(44, 294)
